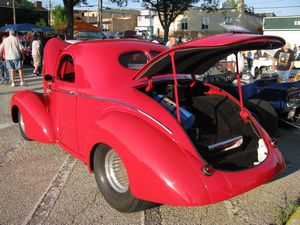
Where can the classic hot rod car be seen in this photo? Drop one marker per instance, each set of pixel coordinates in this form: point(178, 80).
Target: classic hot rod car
point(151, 133)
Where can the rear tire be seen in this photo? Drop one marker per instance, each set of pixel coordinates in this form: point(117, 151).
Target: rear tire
point(22, 126)
point(264, 113)
point(113, 182)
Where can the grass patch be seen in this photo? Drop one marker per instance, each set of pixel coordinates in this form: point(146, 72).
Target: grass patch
point(283, 213)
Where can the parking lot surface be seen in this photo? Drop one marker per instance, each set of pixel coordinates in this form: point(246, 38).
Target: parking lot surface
point(41, 184)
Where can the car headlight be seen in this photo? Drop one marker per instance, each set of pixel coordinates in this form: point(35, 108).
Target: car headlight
point(290, 104)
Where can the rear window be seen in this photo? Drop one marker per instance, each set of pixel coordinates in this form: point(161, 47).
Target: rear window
point(154, 53)
point(133, 60)
point(66, 70)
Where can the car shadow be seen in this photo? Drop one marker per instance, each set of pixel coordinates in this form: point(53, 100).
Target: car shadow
point(288, 144)
point(19, 89)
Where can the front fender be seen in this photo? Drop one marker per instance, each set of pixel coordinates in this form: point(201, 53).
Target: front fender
point(159, 170)
point(37, 120)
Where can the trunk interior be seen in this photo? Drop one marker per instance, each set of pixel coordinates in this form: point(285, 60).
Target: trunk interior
point(221, 137)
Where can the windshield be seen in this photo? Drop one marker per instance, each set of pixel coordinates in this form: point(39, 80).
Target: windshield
point(90, 35)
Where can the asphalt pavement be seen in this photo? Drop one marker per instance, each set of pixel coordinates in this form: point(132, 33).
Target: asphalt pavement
point(42, 184)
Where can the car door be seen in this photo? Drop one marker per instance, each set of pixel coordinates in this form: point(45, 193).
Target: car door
point(66, 101)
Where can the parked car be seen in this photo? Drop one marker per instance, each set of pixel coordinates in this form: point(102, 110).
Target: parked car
point(135, 114)
point(89, 35)
point(263, 61)
point(268, 100)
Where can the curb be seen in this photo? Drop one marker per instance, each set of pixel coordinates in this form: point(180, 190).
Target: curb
point(295, 218)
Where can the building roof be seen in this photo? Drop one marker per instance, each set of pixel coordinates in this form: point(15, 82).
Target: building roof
point(80, 25)
point(9, 3)
point(282, 23)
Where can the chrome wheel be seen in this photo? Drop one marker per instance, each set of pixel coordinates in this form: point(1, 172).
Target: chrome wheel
point(21, 122)
point(116, 172)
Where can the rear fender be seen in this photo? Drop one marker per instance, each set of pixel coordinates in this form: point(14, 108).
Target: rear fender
point(158, 168)
point(37, 120)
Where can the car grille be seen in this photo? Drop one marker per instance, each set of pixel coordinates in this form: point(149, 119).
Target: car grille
point(294, 97)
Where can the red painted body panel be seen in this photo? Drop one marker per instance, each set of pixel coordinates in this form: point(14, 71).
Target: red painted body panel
point(103, 106)
point(38, 124)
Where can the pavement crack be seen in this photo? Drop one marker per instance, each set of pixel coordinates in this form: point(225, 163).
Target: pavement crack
point(12, 151)
point(74, 217)
point(152, 216)
point(44, 206)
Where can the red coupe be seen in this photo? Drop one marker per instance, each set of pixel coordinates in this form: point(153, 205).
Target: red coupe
point(152, 133)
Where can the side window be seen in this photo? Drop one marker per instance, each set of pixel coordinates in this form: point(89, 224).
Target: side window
point(133, 60)
point(66, 70)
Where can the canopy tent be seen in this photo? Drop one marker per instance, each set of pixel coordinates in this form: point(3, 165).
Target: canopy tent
point(25, 27)
point(80, 25)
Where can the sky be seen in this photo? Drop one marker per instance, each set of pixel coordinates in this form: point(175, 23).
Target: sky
point(279, 7)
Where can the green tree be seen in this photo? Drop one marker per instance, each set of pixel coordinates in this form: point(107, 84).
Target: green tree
point(26, 4)
point(41, 22)
point(231, 3)
point(168, 10)
point(69, 8)
point(59, 17)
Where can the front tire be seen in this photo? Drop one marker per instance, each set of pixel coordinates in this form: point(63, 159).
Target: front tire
point(112, 180)
point(22, 126)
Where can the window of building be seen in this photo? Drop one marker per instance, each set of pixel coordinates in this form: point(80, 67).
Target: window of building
point(184, 24)
point(205, 23)
point(227, 18)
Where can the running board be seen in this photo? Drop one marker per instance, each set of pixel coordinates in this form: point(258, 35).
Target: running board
point(292, 124)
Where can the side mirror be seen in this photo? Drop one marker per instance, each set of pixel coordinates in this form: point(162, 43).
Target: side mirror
point(48, 77)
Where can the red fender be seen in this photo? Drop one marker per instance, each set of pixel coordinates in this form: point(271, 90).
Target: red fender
point(158, 168)
point(33, 107)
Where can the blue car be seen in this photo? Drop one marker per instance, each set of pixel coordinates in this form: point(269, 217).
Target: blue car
point(267, 99)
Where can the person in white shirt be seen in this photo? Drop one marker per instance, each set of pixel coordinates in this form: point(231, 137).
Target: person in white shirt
point(36, 54)
point(13, 56)
point(171, 42)
point(231, 62)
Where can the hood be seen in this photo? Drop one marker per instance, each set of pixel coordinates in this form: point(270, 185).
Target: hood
point(196, 57)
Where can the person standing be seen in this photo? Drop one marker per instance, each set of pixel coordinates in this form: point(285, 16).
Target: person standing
point(297, 54)
point(231, 63)
point(172, 42)
point(4, 75)
point(13, 56)
point(36, 54)
point(250, 58)
point(284, 62)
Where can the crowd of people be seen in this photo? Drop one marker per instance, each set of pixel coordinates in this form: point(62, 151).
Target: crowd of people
point(12, 56)
point(12, 51)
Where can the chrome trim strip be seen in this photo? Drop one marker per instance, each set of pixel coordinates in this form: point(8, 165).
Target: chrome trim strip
point(117, 102)
point(227, 144)
point(156, 121)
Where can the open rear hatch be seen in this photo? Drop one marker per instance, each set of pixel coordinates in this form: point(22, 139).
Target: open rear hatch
point(219, 127)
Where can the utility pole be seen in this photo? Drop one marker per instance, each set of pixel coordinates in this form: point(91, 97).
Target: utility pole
point(49, 13)
point(14, 12)
point(99, 18)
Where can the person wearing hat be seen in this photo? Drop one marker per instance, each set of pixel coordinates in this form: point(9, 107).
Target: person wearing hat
point(13, 56)
point(284, 62)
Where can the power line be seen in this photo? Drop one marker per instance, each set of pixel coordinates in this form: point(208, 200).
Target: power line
point(278, 7)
